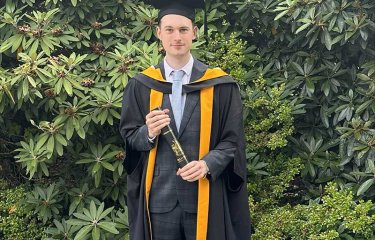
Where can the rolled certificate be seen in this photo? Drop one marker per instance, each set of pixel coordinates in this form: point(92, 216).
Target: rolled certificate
point(175, 145)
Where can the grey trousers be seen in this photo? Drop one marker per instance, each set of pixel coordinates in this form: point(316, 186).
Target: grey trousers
point(174, 225)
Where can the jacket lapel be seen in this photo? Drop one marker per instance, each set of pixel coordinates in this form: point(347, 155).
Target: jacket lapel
point(190, 104)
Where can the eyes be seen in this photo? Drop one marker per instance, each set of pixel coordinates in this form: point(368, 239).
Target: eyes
point(181, 30)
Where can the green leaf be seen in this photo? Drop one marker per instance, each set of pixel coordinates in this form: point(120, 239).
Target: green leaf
point(115, 114)
point(31, 81)
point(50, 191)
point(83, 232)
point(99, 211)
point(313, 38)
point(324, 117)
point(364, 186)
point(44, 168)
point(45, 48)
point(120, 169)
point(98, 177)
point(34, 47)
point(50, 144)
point(61, 139)
point(303, 27)
point(95, 233)
point(96, 168)
point(327, 40)
point(310, 86)
point(5, 46)
point(343, 114)
point(371, 165)
point(109, 155)
point(298, 68)
point(25, 87)
point(69, 129)
point(58, 225)
point(77, 222)
point(364, 34)
point(108, 166)
point(326, 88)
point(83, 217)
point(41, 193)
point(93, 209)
point(281, 14)
point(68, 87)
point(363, 77)
point(311, 169)
point(59, 148)
point(6, 89)
point(16, 42)
point(105, 213)
point(363, 106)
point(86, 160)
point(107, 31)
point(72, 207)
point(42, 140)
point(74, 2)
point(109, 227)
point(81, 132)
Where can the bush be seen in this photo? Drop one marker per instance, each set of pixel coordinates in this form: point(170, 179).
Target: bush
point(306, 72)
point(16, 222)
point(338, 217)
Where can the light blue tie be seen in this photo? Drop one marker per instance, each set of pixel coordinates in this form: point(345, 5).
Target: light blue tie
point(177, 97)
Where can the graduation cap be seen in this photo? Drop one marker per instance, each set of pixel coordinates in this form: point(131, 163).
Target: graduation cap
point(184, 8)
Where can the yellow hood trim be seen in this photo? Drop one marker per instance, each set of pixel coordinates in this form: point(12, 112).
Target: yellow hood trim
point(206, 101)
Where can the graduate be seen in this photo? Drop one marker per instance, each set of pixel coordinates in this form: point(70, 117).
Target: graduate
point(206, 198)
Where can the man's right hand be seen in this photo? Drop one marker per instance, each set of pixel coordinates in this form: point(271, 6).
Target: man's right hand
point(155, 121)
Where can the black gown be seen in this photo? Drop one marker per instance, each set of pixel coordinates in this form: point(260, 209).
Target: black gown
point(228, 211)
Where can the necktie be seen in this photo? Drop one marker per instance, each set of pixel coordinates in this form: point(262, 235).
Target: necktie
point(177, 97)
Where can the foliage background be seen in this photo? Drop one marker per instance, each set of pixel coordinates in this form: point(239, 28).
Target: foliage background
point(306, 70)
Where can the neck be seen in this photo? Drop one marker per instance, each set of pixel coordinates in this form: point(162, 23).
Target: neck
point(177, 62)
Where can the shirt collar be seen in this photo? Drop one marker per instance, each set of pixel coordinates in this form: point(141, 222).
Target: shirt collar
point(188, 68)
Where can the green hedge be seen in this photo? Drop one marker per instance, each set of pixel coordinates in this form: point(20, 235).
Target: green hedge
point(305, 68)
point(16, 221)
point(338, 217)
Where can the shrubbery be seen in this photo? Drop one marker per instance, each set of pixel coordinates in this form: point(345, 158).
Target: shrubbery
point(338, 217)
point(306, 71)
point(16, 221)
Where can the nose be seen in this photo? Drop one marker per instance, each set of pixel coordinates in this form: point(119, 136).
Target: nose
point(177, 35)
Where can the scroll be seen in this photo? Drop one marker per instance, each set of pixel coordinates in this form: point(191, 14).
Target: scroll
point(175, 145)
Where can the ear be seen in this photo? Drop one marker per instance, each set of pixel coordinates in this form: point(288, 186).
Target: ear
point(195, 31)
point(158, 31)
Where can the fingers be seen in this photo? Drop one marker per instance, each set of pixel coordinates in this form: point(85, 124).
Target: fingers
point(193, 171)
point(156, 120)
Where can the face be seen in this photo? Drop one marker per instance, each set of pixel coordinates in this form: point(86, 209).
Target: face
point(176, 33)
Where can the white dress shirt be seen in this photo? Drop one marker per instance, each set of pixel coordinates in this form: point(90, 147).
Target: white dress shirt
point(188, 68)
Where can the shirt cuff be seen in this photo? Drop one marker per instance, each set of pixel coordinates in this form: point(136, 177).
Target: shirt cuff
point(207, 169)
point(151, 140)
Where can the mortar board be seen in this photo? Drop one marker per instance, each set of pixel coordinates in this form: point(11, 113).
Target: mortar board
point(184, 8)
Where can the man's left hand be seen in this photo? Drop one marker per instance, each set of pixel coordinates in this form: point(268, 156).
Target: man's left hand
point(193, 171)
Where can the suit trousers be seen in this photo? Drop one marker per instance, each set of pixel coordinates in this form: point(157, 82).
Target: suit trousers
point(174, 225)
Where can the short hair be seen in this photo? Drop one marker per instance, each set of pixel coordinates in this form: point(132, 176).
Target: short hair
point(193, 23)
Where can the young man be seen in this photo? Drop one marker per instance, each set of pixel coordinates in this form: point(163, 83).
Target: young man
point(207, 198)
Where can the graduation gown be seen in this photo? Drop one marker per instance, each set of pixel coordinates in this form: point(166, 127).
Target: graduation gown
point(223, 209)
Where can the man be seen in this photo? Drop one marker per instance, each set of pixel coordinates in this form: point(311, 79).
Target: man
point(206, 199)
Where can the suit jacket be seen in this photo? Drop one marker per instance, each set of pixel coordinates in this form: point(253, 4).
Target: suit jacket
point(228, 207)
point(168, 188)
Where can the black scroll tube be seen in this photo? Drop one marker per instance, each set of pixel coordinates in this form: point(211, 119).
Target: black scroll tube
point(175, 145)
